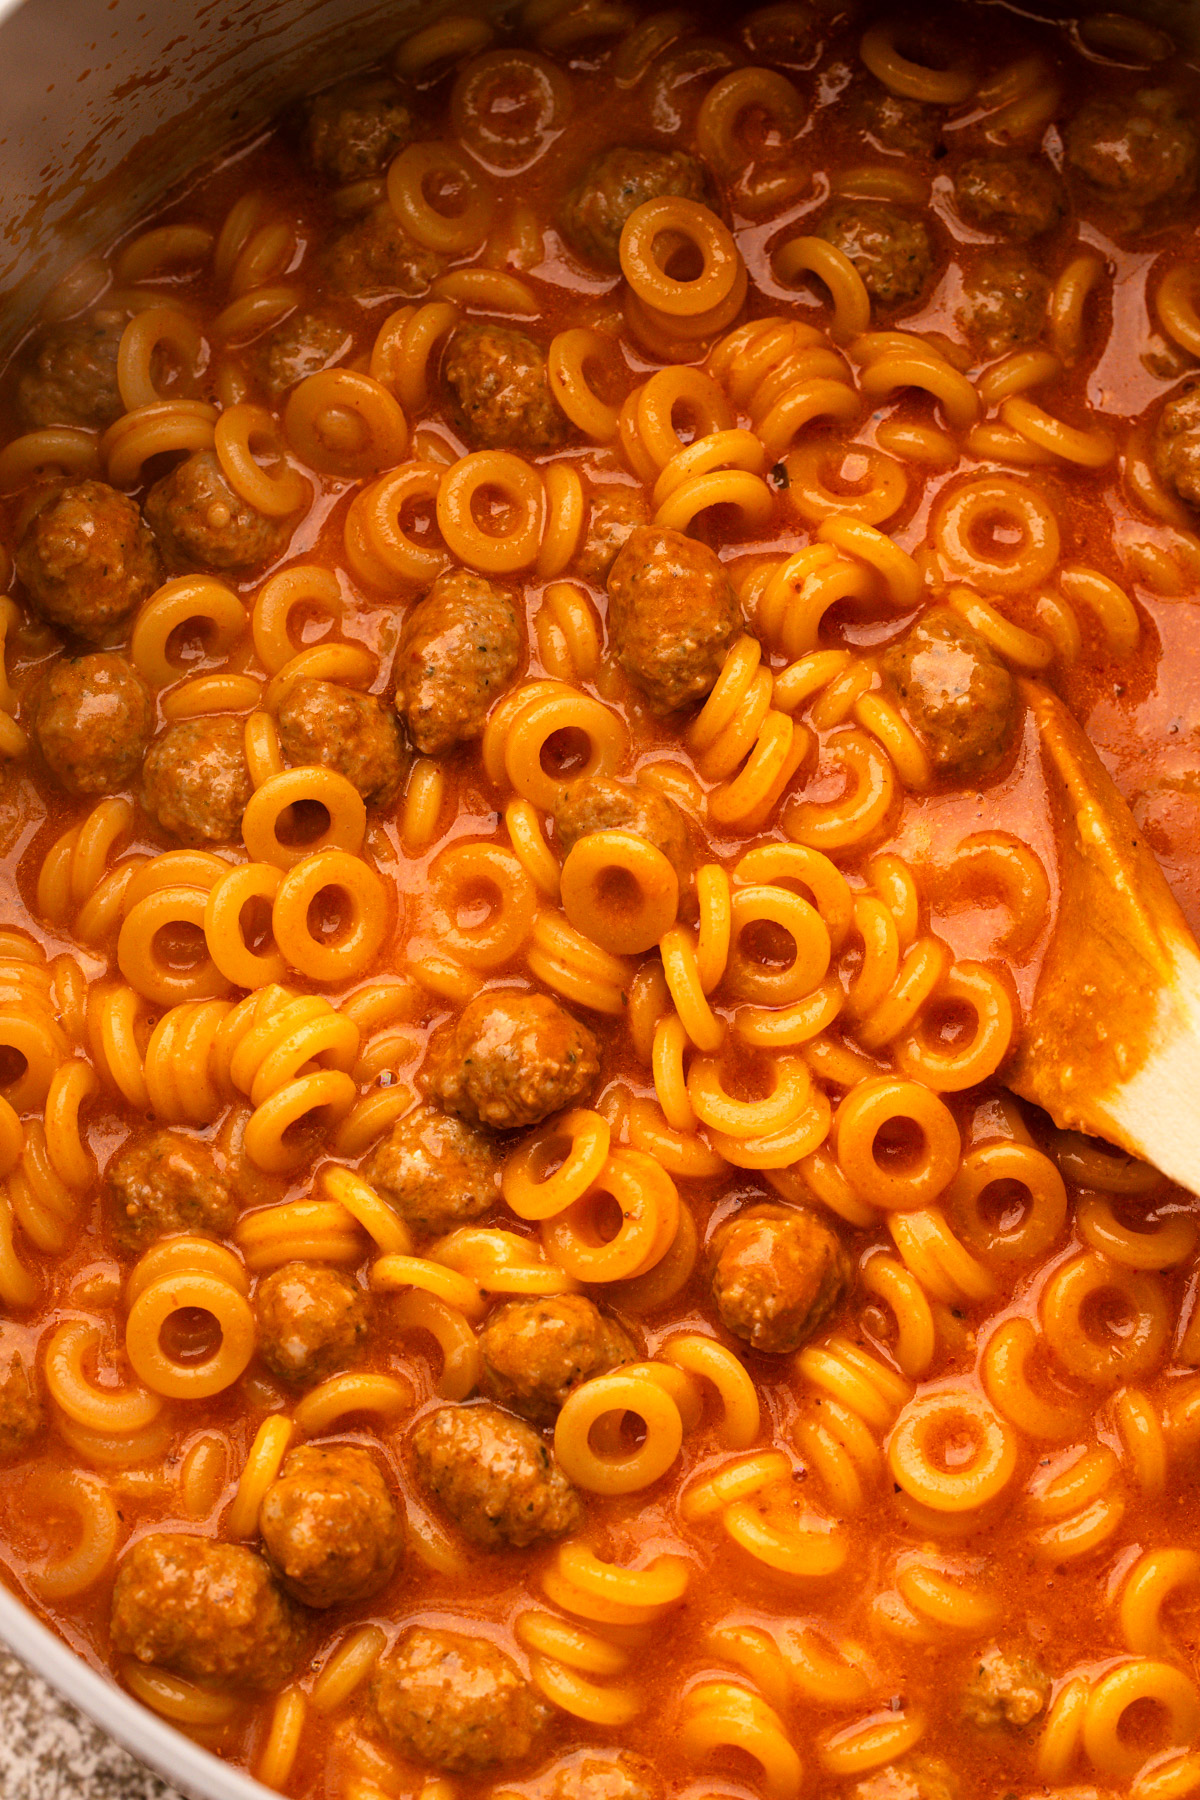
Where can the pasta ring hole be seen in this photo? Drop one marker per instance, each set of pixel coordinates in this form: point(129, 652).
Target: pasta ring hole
point(1145, 1727)
point(678, 256)
point(1108, 1317)
point(767, 945)
point(190, 1335)
point(194, 640)
point(254, 924)
point(179, 946)
point(446, 190)
point(567, 753)
point(331, 916)
point(302, 823)
point(13, 1066)
point(948, 1025)
point(1003, 1206)
point(953, 1443)
point(341, 431)
point(899, 1146)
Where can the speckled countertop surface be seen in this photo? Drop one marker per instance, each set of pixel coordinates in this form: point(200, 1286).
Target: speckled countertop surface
point(48, 1751)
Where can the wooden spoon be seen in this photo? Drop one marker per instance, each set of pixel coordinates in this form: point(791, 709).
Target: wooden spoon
point(1112, 1043)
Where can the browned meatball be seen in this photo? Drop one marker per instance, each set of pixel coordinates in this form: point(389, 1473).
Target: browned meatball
point(204, 1610)
point(536, 1351)
point(375, 256)
point(599, 803)
point(20, 1399)
point(586, 1776)
point(1176, 443)
point(1003, 306)
point(672, 614)
point(72, 377)
point(776, 1275)
point(165, 1184)
point(436, 1171)
point(912, 1778)
point(303, 345)
point(1019, 195)
point(1005, 1690)
point(356, 734)
point(889, 248)
point(330, 1526)
point(615, 513)
point(87, 559)
point(895, 122)
point(312, 1321)
point(455, 1702)
point(92, 718)
point(1134, 153)
point(195, 779)
point(512, 1060)
point(613, 185)
point(201, 522)
point(458, 652)
point(494, 1476)
point(499, 390)
point(956, 692)
point(356, 128)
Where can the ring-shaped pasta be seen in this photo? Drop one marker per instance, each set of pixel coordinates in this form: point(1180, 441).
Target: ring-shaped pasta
point(959, 518)
point(307, 587)
point(1043, 1203)
point(378, 547)
point(747, 493)
point(141, 339)
point(53, 450)
point(1105, 1322)
point(874, 496)
point(769, 984)
point(722, 1111)
point(242, 436)
point(696, 225)
point(359, 936)
point(725, 105)
point(620, 891)
point(341, 423)
point(192, 1380)
point(880, 1105)
point(164, 427)
point(530, 1192)
point(322, 1098)
point(508, 106)
point(87, 1500)
point(1138, 1684)
point(124, 1410)
point(535, 718)
point(624, 1471)
point(169, 909)
point(837, 824)
point(648, 1202)
point(831, 266)
point(189, 601)
point(950, 1068)
point(38, 1046)
point(513, 547)
point(223, 932)
point(913, 81)
point(448, 233)
point(311, 786)
point(1036, 1408)
point(1161, 1246)
point(471, 875)
point(567, 363)
point(951, 1451)
point(362, 1391)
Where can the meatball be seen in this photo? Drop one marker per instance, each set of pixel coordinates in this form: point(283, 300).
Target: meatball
point(356, 128)
point(312, 1320)
point(896, 123)
point(20, 1401)
point(201, 521)
point(587, 1776)
point(1176, 443)
point(72, 377)
point(204, 1610)
point(912, 1778)
point(375, 256)
point(598, 803)
point(1005, 1690)
point(330, 1527)
point(195, 779)
point(536, 1351)
point(303, 345)
point(889, 248)
point(956, 692)
point(672, 615)
point(458, 652)
point(92, 718)
point(88, 559)
point(512, 1060)
point(614, 184)
point(500, 392)
point(1019, 195)
point(494, 1476)
point(614, 513)
point(437, 1172)
point(166, 1184)
point(1133, 153)
point(356, 734)
point(455, 1702)
point(777, 1275)
point(1004, 298)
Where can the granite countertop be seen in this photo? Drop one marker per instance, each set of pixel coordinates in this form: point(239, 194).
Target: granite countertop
point(48, 1751)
